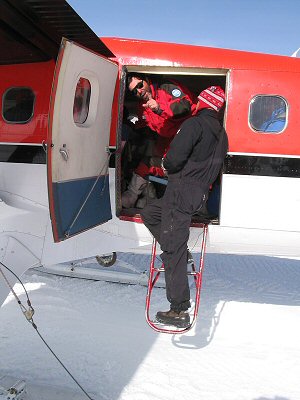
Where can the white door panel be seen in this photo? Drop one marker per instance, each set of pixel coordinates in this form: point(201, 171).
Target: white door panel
point(77, 149)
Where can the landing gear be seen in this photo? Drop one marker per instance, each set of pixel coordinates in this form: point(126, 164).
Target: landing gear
point(107, 260)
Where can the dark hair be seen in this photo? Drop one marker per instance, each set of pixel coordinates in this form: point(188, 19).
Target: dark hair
point(134, 75)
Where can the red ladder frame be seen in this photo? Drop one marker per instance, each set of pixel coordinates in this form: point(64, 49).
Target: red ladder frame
point(154, 275)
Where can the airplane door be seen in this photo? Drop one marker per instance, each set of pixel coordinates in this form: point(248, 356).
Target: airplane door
point(77, 150)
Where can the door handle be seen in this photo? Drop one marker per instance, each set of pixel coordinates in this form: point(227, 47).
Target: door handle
point(64, 153)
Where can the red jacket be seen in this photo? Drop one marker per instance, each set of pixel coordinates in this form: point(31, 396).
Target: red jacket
point(176, 103)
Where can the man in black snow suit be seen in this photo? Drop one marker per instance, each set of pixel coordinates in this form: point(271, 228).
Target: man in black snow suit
point(192, 163)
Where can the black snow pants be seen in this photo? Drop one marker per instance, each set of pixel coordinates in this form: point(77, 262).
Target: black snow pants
point(169, 219)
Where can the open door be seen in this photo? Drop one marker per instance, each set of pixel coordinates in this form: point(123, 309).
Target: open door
point(77, 150)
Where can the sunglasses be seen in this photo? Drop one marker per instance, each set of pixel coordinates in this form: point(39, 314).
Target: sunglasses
point(138, 86)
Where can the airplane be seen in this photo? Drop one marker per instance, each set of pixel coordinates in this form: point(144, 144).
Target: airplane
point(61, 166)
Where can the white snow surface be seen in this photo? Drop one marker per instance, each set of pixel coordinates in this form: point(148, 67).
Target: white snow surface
point(245, 345)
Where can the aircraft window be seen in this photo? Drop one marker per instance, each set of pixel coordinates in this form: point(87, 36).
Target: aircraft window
point(18, 105)
point(81, 101)
point(268, 114)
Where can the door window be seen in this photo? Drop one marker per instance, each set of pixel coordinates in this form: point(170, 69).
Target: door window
point(82, 101)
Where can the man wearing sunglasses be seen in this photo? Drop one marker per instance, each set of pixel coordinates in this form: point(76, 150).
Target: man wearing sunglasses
point(162, 107)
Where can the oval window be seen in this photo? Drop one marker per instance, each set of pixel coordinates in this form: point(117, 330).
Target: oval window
point(82, 101)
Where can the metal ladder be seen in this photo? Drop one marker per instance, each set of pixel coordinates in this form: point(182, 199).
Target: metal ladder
point(196, 273)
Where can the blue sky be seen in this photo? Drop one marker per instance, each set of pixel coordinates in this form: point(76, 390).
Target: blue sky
point(267, 26)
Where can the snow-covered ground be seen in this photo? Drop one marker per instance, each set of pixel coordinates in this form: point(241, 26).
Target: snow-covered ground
point(245, 345)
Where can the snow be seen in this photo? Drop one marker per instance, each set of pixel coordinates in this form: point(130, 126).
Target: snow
point(245, 345)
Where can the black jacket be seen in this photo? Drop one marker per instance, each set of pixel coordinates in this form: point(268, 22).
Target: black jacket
point(198, 150)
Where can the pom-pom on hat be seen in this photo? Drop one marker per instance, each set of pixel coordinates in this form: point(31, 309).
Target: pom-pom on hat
point(212, 97)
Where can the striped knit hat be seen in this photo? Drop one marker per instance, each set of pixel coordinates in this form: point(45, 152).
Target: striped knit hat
point(212, 97)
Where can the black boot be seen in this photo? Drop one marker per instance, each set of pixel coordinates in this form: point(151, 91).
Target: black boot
point(180, 319)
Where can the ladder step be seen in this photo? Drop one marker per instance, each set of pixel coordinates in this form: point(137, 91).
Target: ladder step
point(158, 269)
point(153, 278)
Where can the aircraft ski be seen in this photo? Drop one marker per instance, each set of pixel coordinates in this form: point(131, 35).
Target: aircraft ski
point(121, 272)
